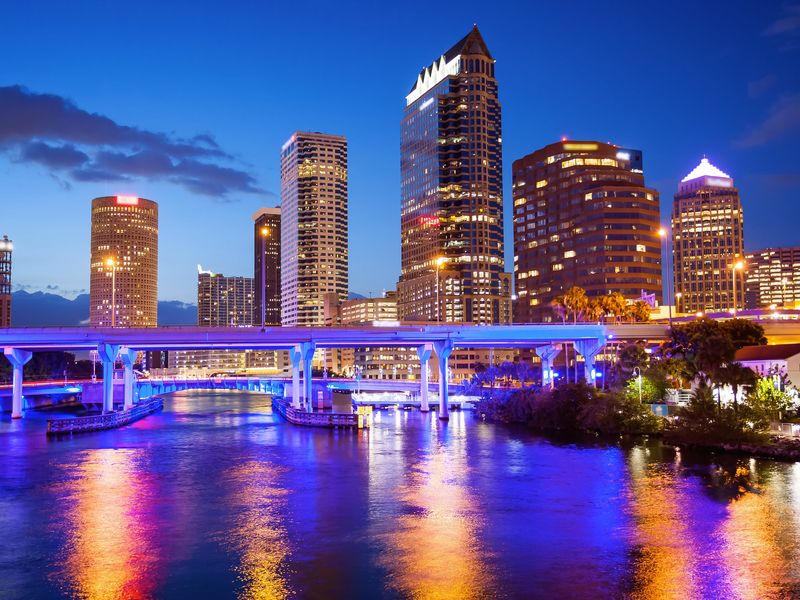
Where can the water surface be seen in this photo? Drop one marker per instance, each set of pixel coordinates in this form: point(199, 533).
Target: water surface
point(217, 497)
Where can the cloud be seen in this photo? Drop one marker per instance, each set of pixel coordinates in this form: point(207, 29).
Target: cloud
point(53, 132)
point(788, 24)
point(783, 119)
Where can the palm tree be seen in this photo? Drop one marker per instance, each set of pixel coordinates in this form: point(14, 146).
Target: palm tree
point(560, 308)
point(594, 309)
point(576, 302)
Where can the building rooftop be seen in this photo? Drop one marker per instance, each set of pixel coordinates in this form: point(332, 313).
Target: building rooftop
point(705, 169)
point(777, 352)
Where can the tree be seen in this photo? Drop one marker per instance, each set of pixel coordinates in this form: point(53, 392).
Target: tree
point(744, 332)
point(639, 311)
point(594, 309)
point(560, 308)
point(576, 302)
point(614, 304)
point(737, 376)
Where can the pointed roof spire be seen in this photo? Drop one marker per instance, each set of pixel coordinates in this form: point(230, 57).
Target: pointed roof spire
point(472, 43)
point(705, 169)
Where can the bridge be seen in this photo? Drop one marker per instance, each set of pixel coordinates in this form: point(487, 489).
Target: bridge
point(112, 344)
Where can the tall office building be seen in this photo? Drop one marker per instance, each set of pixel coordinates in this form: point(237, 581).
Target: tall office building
point(267, 266)
point(314, 252)
point(124, 262)
point(773, 278)
point(708, 241)
point(224, 301)
point(451, 188)
point(221, 302)
point(583, 217)
point(6, 248)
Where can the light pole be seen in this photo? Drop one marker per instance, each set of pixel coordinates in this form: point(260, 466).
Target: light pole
point(110, 262)
point(638, 373)
point(441, 260)
point(662, 233)
point(737, 266)
point(264, 236)
point(678, 296)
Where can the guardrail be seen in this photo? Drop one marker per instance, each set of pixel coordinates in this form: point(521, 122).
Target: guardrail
point(314, 419)
point(105, 421)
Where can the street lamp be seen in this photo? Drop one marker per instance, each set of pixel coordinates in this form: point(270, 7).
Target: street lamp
point(737, 266)
point(440, 261)
point(678, 296)
point(638, 373)
point(264, 236)
point(662, 233)
point(110, 262)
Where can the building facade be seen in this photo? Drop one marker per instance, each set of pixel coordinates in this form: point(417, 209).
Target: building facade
point(772, 278)
point(451, 188)
point(221, 302)
point(314, 226)
point(582, 217)
point(708, 242)
point(6, 248)
point(267, 266)
point(124, 262)
point(224, 301)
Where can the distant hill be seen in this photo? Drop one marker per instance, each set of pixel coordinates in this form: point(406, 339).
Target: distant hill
point(40, 309)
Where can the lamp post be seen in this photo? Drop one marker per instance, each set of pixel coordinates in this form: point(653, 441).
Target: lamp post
point(737, 266)
point(662, 233)
point(441, 260)
point(110, 262)
point(638, 373)
point(678, 296)
point(264, 236)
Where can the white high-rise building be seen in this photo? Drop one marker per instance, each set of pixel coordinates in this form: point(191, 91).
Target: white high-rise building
point(314, 252)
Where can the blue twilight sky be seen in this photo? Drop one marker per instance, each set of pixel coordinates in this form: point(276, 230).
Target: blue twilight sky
point(188, 103)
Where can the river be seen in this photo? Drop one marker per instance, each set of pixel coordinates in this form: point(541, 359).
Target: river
point(217, 497)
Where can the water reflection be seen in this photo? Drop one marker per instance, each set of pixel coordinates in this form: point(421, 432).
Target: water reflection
point(664, 548)
point(258, 535)
point(110, 547)
point(435, 549)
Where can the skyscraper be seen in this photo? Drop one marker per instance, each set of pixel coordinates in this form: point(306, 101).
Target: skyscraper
point(224, 301)
point(708, 241)
point(124, 262)
point(773, 278)
point(582, 217)
point(6, 248)
point(314, 252)
point(267, 266)
point(221, 302)
point(451, 187)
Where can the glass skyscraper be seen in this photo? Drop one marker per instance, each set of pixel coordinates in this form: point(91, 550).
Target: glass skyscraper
point(452, 192)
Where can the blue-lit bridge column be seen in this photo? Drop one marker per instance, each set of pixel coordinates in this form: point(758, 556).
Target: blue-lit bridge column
point(548, 355)
point(18, 358)
point(295, 355)
point(588, 349)
point(443, 351)
point(307, 354)
point(128, 357)
point(108, 354)
point(424, 353)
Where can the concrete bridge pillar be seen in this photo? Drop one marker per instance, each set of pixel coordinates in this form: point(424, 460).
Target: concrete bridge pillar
point(588, 349)
point(128, 357)
point(18, 358)
point(424, 353)
point(108, 354)
point(307, 354)
point(295, 354)
point(548, 355)
point(443, 351)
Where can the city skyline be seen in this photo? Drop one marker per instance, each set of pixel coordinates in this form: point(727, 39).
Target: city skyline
point(748, 132)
